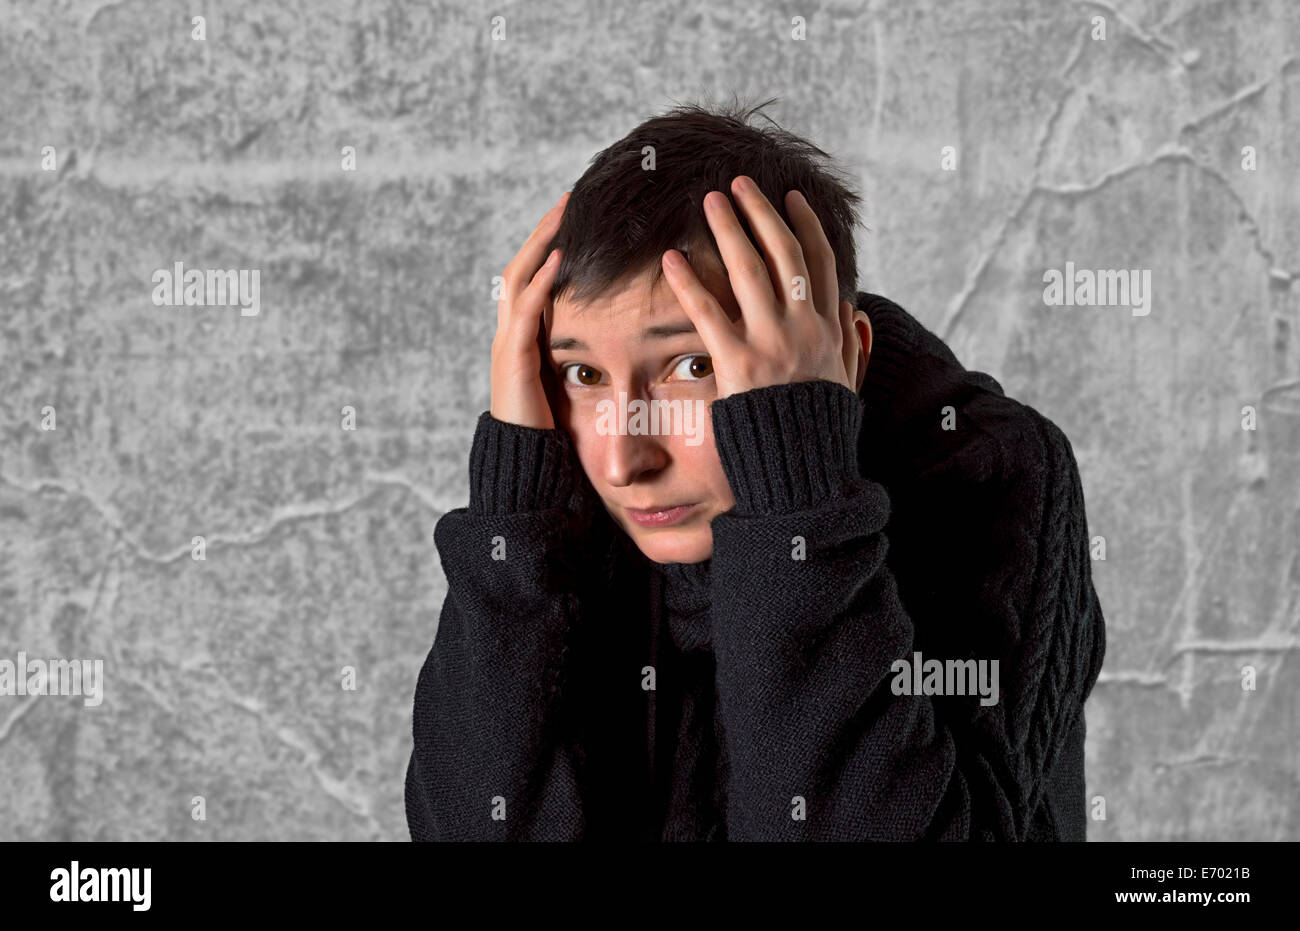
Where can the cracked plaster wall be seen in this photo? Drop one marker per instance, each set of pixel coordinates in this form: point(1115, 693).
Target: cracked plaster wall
point(223, 676)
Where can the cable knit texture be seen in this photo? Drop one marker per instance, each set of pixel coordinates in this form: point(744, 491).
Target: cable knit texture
point(577, 691)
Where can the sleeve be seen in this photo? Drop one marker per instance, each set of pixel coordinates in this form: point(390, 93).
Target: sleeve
point(807, 648)
point(493, 757)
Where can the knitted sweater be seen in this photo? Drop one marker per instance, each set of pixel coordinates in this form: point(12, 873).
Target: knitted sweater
point(577, 690)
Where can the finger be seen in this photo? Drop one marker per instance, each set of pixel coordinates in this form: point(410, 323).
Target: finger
point(818, 255)
point(710, 320)
point(530, 256)
point(526, 312)
point(850, 346)
point(751, 280)
point(781, 248)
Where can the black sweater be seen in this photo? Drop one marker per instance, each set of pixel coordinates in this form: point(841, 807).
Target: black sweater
point(772, 714)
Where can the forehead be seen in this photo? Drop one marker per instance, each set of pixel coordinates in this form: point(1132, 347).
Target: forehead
point(638, 299)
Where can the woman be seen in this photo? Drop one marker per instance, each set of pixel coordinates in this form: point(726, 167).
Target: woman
point(856, 605)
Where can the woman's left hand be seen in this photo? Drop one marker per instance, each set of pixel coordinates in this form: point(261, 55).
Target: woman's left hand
point(793, 325)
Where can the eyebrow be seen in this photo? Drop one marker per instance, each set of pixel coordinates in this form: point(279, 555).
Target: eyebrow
point(662, 331)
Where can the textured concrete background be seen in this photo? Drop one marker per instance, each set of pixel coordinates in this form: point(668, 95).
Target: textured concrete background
point(223, 676)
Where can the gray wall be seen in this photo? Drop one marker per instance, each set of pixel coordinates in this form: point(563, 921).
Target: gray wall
point(223, 676)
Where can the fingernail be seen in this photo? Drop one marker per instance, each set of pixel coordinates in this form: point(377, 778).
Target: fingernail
point(673, 259)
point(555, 256)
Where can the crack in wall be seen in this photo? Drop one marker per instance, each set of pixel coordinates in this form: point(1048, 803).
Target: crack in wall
point(282, 515)
point(349, 800)
point(1162, 47)
point(984, 261)
point(1265, 643)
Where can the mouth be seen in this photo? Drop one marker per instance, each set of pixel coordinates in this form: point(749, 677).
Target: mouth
point(660, 516)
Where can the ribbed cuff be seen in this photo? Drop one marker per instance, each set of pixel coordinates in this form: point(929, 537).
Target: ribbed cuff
point(787, 447)
point(514, 468)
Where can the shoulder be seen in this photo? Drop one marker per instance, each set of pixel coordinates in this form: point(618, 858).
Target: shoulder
point(1006, 444)
point(977, 480)
point(926, 416)
point(988, 529)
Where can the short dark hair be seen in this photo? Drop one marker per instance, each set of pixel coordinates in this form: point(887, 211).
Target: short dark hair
point(620, 218)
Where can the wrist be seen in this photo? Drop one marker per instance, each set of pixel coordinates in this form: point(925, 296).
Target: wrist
point(516, 468)
point(787, 447)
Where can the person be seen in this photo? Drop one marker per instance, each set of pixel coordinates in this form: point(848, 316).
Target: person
point(855, 605)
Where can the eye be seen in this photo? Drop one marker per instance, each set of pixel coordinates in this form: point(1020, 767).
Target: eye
point(585, 375)
point(694, 368)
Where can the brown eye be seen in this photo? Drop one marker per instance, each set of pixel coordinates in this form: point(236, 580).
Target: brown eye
point(694, 368)
point(582, 375)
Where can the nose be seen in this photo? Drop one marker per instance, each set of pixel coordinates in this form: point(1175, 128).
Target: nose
point(629, 457)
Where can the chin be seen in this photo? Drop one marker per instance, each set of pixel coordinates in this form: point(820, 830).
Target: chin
point(665, 546)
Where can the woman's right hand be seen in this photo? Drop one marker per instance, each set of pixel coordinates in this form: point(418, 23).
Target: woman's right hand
point(518, 396)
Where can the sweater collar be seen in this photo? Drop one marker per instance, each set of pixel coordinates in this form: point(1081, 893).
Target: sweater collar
point(910, 376)
point(681, 592)
point(905, 360)
point(687, 604)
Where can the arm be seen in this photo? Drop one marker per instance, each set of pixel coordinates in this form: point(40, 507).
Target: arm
point(490, 719)
point(805, 648)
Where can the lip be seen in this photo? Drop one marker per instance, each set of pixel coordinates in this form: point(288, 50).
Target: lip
point(660, 517)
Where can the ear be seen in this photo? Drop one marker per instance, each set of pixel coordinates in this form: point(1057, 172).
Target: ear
point(862, 327)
